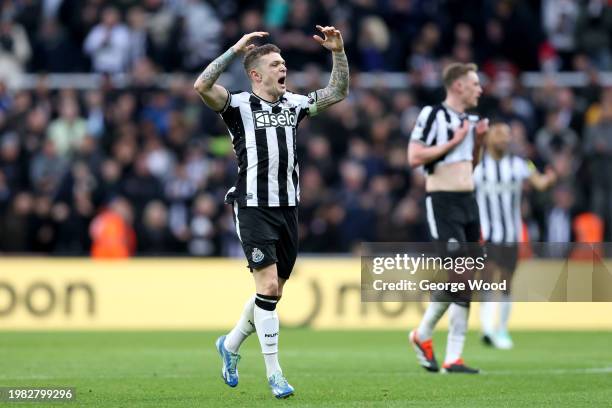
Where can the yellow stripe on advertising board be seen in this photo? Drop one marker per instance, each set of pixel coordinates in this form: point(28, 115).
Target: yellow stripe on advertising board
point(152, 294)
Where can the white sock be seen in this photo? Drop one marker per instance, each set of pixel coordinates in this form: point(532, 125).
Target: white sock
point(272, 365)
point(458, 319)
point(266, 322)
point(487, 317)
point(243, 329)
point(505, 307)
point(432, 315)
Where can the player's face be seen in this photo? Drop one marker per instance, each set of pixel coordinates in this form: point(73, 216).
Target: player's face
point(470, 89)
point(499, 138)
point(273, 73)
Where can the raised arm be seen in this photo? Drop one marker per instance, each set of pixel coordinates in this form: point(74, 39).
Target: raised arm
point(543, 181)
point(214, 95)
point(482, 127)
point(338, 87)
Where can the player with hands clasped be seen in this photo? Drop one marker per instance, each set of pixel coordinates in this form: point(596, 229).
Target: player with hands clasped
point(263, 127)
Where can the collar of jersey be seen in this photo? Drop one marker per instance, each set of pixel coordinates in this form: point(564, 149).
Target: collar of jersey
point(460, 114)
point(268, 102)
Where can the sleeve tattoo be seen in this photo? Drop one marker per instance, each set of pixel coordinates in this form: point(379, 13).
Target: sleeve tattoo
point(210, 75)
point(338, 87)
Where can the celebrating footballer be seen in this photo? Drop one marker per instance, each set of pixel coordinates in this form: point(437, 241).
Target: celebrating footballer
point(263, 127)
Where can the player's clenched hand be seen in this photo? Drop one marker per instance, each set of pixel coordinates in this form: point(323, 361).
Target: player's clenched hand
point(461, 132)
point(551, 176)
point(243, 44)
point(482, 127)
point(333, 38)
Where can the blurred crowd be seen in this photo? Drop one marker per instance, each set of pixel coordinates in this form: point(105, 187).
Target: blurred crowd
point(380, 35)
point(143, 169)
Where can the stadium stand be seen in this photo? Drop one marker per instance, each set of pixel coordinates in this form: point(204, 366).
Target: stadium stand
point(129, 132)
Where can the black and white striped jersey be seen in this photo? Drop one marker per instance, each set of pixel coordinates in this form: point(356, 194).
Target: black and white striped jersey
point(498, 192)
point(436, 125)
point(264, 138)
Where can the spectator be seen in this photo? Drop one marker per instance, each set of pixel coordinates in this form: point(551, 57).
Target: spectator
point(54, 49)
point(15, 51)
point(570, 115)
point(95, 113)
point(295, 39)
point(202, 33)
point(179, 192)
point(138, 45)
point(202, 227)
point(374, 41)
point(140, 187)
point(559, 18)
point(165, 35)
point(155, 237)
point(72, 230)
point(553, 138)
point(110, 181)
point(108, 43)
point(68, 131)
point(559, 221)
point(111, 231)
point(12, 163)
point(35, 128)
point(43, 231)
point(15, 225)
point(593, 32)
point(47, 169)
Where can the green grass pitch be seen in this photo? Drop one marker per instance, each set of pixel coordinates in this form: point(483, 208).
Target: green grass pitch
point(328, 369)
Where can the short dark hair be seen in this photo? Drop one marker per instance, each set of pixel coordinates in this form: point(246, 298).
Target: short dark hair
point(251, 57)
point(455, 71)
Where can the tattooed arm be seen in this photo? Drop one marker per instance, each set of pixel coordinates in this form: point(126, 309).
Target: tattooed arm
point(338, 87)
point(213, 95)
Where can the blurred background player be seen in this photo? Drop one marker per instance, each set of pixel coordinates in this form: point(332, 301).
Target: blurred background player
point(499, 181)
point(263, 126)
point(447, 143)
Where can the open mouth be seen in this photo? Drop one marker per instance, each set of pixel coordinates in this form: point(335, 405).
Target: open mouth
point(281, 80)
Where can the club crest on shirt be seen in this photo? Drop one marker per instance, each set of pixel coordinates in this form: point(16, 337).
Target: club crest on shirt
point(286, 104)
point(257, 256)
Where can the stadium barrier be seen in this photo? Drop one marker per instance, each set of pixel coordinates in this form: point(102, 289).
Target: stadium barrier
point(159, 294)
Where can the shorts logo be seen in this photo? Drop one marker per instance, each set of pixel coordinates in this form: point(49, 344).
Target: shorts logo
point(264, 119)
point(257, 256)
point(453, 245)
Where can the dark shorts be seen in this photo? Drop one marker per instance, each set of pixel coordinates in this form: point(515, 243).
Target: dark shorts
point(505, 256)
point(268, 235)
point(453, 217)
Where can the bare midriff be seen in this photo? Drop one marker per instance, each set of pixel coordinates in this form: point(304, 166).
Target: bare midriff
point(451, 177)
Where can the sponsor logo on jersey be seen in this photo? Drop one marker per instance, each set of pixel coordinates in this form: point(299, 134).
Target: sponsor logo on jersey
point(265, 119)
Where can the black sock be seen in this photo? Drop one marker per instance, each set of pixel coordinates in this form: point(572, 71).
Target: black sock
point(266, 302)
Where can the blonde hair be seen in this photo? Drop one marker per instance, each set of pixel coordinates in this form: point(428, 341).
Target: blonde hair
point(455, 71)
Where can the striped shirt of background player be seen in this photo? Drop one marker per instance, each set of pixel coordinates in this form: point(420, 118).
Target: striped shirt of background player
point(436, 125)
point(268, 172)
point(499, 186)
